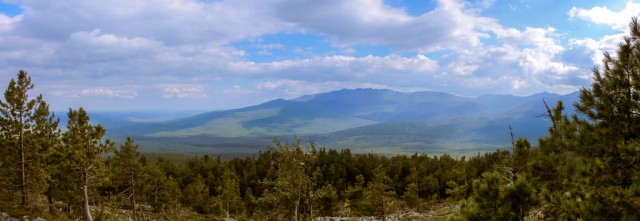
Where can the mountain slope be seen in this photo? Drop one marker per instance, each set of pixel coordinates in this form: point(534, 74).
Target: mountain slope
point(362, 118)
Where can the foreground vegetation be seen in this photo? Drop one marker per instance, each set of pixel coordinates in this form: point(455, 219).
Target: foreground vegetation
point(587, 168)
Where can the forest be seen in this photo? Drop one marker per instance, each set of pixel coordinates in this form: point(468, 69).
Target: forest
point(586, 168)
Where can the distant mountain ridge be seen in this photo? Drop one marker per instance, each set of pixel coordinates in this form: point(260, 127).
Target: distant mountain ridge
point(364, 119)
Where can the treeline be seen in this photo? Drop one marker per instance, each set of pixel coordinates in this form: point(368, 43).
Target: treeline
point(75, 172)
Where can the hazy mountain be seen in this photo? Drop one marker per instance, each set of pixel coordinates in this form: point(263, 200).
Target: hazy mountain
point(365, 119)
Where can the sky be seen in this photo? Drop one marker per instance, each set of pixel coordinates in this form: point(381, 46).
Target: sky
point(123, 55)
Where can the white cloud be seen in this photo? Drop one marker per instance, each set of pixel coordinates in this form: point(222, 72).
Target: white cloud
point(587, 48)
point(603, 15)
point(129, 92)
point(183, 91)
point(487, 3)
point(170, 21)
point(536, 37)
point(94, 46)
point(521, 62)
point(345, 68)
point(7, 23)
point(450, 25)
point(517, 66)
point(187, 49)
point(295, 88)
point(236, 90)
point(119, 41)
point(97, 91)
point(517, 84)
point(594, 48)
point(289, 89)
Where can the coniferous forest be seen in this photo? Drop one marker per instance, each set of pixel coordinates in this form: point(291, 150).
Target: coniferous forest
point(587, 168)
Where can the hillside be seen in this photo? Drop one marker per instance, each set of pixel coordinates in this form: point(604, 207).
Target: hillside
point(362, 119)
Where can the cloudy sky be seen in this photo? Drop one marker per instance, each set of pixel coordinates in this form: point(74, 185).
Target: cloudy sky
point(222, 54)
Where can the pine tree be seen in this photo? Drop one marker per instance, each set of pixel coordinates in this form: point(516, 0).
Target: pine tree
point(588, 168)
point(230, 195)
point(196, 194)
point(23, 123)
point(429, 186)
point(162, 192)
point(292, 183)
point(16, 123)
point(47, 140)
point(492, 199)
point(613, 108)
point(412, 192)
point(354, 194)
point(127, 170)
point(327, 200)
point(613, 102)
point(378, 193)
point(411, 196)
point(85, 148)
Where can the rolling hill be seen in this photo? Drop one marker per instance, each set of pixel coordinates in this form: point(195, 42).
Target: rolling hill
point(366, 120)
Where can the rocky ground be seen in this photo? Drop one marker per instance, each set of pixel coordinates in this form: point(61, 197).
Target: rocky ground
point(6, 217)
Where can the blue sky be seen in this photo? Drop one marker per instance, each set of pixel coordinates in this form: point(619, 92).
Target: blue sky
point(210, 55)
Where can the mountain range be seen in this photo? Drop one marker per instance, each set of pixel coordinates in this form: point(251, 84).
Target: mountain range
point(365, 120)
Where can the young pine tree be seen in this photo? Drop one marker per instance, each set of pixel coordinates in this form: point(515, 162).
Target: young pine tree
point(230, 195)
point(196, 195)
point(492, 199)
point(127, 170)
point(292, 183)
point(326, 199)
point(378, 194)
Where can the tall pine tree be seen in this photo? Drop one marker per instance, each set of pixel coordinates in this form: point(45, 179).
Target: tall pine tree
point(85, 148)
point(28, 131)
point(46, 137)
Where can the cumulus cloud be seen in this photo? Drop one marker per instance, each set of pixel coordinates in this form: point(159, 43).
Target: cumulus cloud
point(171, 21)
point(581, 48)
point(186, 49)
point(506, 68)
point(344, 68)
point(450, 25)
point(105, 47)
point(586, 52)
point(118, 41)
point(537, 37)
point(603, 15)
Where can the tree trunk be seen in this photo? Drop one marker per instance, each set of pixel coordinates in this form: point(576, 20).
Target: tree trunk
point(295, 213)
point(23, 176)
point(85, 195)
point(311, 211)
point(133, 195)
point(133, 206)
point(50, 201)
